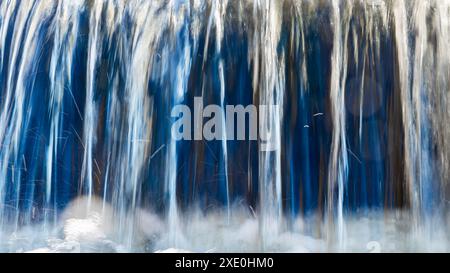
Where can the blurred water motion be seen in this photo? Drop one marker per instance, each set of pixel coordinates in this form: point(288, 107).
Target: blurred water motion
point(87, 88)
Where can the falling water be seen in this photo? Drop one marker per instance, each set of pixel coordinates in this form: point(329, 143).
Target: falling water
point(361, 139)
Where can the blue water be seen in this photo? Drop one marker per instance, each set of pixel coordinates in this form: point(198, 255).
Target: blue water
point(87, 89)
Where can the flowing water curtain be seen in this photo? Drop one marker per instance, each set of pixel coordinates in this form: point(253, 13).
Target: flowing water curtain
point(87, 88)
point(65, 30)
point(424, 91)
point(268, 83)
point(22, 101)
point(440, 111)
point(156, 49)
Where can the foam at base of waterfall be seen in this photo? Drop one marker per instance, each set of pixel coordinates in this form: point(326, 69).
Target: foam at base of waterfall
point(93, 231)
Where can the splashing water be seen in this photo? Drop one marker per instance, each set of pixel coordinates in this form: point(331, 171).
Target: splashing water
point(361, 151)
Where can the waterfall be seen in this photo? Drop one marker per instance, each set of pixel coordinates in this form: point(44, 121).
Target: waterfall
point(87, 89)
point(270, 87)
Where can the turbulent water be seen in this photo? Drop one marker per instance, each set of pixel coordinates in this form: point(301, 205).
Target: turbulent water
point(362, 142)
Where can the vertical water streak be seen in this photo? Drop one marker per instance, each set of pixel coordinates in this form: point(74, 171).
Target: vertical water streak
point(440, 100)
point(90, 111)
point(179, 16)
point(65, 30)
point(16, 110)
point(145, 33)
point(422, 168)
point(269, 85)
point(338, 169)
